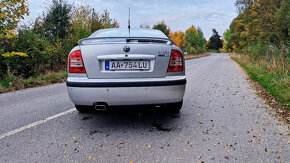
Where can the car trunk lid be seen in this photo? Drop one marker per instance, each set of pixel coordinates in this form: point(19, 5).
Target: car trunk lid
point(106, 58)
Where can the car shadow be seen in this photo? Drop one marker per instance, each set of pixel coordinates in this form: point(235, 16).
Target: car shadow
point(129, 118)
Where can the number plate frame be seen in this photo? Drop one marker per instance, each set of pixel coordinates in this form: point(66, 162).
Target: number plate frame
point(127, 65)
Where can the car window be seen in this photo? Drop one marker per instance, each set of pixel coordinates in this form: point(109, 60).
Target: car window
point(125, 33)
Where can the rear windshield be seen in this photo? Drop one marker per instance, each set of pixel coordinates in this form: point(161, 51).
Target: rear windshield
point(117, 32)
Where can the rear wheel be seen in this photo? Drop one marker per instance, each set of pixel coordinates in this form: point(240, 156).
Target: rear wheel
point(83, 109)
point(174, 107)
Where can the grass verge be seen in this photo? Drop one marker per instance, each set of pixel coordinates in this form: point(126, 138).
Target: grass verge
point(188, 57)
point(273, 82)
point(15, 83)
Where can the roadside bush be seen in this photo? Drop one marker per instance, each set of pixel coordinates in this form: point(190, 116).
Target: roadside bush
point(38, 50)
point(3, 67)
point(256, 50)
point(79, 33)
point(41, 49)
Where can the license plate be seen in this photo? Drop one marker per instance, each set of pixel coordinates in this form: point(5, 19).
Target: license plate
point(126, 65)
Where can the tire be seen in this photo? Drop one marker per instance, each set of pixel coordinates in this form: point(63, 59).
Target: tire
point(174, 107)
point(83, 109)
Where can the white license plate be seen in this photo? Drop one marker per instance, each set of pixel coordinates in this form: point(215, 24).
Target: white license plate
point(126, 65)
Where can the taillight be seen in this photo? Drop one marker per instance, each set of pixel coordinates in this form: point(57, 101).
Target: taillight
point(176, 62)
point(76, 64)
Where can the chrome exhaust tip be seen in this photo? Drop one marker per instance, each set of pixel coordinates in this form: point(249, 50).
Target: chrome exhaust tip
point(100, 106)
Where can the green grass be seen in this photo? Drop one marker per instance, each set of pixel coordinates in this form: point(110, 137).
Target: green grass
point(275, 82)
point(15, 83)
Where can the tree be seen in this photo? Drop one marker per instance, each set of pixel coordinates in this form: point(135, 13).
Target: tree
point(281, 21)
point(243, 5)
point(260, 22)
point(195, 41)
point(162, 27)
point(144, 25)
point(80, 17)
point(178, 38)
point(57, 19)
point(102, 21)
point(82, 22)
point(107, 22)
point(227, 42)
point(191, 40)
point(215, 41)
point(202, 40)
point(11, 12)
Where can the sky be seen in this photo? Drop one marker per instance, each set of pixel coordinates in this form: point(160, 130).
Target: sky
point(178, 15)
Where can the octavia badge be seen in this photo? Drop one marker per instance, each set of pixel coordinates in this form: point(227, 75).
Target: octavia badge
point(126, 49)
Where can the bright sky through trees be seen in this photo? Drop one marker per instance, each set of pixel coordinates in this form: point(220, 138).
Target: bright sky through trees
point(179, 15)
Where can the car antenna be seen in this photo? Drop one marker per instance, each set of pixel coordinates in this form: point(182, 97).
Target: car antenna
point(129, 22)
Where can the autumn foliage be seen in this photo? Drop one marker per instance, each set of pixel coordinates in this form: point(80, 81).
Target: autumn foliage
point(44, 45)
point(12, 11)
point(178, 38)
point(260, 22)
point(192, 41)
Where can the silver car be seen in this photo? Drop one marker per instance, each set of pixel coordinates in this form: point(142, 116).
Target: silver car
point(126, 67)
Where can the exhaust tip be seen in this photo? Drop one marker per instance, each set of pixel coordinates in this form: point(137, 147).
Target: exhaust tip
point(100, 106)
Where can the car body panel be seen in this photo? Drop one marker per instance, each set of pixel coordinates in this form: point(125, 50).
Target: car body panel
point(94, 57)
point(131, 94)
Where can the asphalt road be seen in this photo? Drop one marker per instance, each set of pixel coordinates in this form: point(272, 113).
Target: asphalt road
point(222, 120)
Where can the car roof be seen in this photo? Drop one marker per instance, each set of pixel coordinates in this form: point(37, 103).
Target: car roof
point(124, 32)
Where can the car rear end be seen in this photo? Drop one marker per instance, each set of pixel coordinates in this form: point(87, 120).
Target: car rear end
point(113, 67)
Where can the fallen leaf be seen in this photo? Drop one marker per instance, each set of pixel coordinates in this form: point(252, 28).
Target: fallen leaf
point(90, 157)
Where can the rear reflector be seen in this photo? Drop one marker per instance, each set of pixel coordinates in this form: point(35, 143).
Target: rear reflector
point(76, 64)
point(176, 62)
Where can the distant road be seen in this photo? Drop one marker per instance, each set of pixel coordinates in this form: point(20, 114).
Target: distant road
point(222, 119)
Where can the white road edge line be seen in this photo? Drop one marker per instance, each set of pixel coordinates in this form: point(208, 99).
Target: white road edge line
point(35, 123)
point(46, 119)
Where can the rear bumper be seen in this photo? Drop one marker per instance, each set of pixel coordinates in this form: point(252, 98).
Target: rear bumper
point(126, 91)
